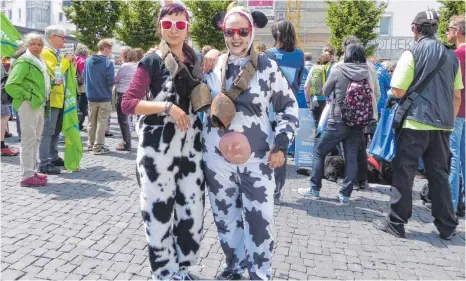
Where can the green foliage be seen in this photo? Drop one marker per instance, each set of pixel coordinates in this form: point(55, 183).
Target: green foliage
point(94, 20)
point(201, 29)
point(138, 26)
point(354, 17)
point(449, 8)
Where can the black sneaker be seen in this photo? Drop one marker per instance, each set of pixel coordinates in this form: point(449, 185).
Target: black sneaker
point(363, 185)
point(385, 226)
point(277, 201)
point(228, 275)
point(460, 213)
point(58, 163)
point(304, 171)
point(49, 170)
point(447, 237)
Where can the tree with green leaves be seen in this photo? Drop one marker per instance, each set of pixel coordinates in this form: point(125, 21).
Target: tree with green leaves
point(201, 29)
point(94, 20)
point(448, 9)
point(354, 17)
point(138, 25)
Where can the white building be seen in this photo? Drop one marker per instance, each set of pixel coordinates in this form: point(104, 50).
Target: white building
point(37, 14)
point(394, 31)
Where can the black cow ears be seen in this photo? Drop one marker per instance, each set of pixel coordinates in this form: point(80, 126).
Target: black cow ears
point(217, 21)
point(260, 20)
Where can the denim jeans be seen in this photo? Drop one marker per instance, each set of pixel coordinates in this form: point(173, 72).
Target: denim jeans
point(333, 134)
point(458, 165)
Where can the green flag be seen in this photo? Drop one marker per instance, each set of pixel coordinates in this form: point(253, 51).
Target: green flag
point(70, 128)
point(9, 37)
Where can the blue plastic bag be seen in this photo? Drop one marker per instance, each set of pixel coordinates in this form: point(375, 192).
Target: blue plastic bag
point(383, 141)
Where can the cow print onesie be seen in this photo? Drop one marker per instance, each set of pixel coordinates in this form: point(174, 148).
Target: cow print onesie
point(170, 168)
point(242, 195)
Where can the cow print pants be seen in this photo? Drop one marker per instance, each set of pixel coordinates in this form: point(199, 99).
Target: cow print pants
point(242, 203)
point(170, 170)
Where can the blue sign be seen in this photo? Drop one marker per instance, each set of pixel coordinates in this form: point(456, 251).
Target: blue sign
point(304, 142)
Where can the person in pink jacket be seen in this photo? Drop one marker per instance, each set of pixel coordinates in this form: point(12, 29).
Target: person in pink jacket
point(81, 55)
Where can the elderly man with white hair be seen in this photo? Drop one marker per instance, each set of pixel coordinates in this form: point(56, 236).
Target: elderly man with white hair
point(49, 161)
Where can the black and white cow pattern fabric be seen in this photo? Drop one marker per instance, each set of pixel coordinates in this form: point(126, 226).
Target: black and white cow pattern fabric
point(242, 195)
point(170, 168)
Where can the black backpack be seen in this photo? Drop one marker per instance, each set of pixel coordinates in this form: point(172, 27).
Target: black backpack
point(6, 98)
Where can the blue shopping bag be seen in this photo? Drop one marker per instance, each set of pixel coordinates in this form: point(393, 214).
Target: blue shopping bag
point(383, 141)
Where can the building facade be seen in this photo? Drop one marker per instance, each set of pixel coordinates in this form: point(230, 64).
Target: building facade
point(394, 31)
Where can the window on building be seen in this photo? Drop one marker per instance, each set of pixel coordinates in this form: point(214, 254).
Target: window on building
point(60, 17)
point(385, 27)
point(3, 4)
point(10, 14)
point(19, 13)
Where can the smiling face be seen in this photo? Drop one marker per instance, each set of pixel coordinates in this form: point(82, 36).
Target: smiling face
point(175, 32)
point(235, 25)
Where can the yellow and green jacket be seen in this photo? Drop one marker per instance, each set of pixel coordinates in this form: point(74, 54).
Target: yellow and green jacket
point(57, 93)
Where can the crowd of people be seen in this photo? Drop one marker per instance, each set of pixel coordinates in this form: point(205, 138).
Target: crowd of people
point(227, 120)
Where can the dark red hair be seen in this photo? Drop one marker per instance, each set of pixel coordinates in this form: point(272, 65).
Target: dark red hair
point(173, 8)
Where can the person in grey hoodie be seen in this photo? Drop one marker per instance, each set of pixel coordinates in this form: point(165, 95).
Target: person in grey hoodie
point(354, 68)
point(99, 77)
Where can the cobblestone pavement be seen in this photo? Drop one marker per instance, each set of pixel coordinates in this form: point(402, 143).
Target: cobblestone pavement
point(87, 225)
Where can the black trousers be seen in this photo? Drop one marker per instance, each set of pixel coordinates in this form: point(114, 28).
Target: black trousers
point(83, 107)
point(434, 147)
point(123, 122)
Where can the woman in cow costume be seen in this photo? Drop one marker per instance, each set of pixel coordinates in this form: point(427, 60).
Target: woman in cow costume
point(169, 157)
point(238, 151)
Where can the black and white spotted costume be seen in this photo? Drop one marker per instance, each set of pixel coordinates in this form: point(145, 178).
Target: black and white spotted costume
point(242, 195)
point(170, 168)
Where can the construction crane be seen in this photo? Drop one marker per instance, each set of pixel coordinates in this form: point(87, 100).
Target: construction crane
point(293, 15)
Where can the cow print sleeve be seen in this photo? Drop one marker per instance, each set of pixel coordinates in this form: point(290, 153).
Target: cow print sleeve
point(284, 104)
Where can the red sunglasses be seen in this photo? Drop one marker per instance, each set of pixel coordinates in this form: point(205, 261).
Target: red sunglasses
point(243, 32)
point(180, 25)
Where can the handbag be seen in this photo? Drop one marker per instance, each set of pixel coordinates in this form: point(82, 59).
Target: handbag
point(383, 144)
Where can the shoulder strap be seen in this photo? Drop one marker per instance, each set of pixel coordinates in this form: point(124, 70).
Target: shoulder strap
point(419, 87)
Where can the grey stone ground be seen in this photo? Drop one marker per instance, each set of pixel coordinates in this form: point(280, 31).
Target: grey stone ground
point(86, 225)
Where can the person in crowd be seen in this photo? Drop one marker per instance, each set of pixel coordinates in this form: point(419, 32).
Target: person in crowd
point(390, 66)
point(29, 86)
point(140, 52)
point(455, 35)
point(433, 72)
point(81, 52)
point(5, 115)
point(49, 160)
point(291, 63)
point(123, 78)
point(338, 130)
point(260, 48)
point(370, 129)
point(307, 62)
point(240, 149)
point(99, 77)
point(384, 81)
point(169, 157)
point(314, 90)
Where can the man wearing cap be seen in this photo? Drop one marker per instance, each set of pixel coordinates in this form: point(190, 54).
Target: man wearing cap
point(428, 77)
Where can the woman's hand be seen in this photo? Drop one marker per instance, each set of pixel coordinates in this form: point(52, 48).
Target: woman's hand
point(210, 59)
point(276, 159)
point(181, 119)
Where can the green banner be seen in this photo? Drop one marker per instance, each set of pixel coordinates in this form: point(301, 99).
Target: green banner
point(70, 128)
point(9, 37)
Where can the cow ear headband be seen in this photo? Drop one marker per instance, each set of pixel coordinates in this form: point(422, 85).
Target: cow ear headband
point(259, 19)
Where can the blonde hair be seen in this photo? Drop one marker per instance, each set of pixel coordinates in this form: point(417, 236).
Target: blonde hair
point(104, 44)
point(260, 48)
